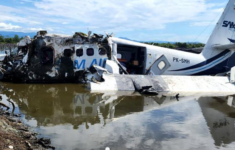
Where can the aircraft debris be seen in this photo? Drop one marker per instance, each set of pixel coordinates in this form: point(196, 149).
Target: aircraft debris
point(51, 58)
point(13, 106)
point(4, 105)
point(45, 143)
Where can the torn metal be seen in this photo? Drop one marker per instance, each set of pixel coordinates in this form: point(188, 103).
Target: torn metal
point(54, 58)
point(99, 78)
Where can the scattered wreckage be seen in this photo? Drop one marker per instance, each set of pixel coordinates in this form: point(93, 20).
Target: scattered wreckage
point(53, 58)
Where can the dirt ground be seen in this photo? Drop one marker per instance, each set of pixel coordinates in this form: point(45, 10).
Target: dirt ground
point(15, 135)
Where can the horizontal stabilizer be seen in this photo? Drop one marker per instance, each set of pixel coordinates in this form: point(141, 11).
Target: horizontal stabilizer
point(224, 47)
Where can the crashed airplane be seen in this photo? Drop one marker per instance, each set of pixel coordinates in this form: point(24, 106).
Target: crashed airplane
point(57, 58)
point(53, 58)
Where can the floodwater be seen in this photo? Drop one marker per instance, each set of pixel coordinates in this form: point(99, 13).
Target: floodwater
point(76, 119)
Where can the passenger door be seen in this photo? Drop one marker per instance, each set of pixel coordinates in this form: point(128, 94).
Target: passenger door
point(159, 66)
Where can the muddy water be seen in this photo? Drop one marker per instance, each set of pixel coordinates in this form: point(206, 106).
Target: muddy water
point(75, 119)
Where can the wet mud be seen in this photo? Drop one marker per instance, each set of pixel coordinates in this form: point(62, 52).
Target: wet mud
point(14, 134)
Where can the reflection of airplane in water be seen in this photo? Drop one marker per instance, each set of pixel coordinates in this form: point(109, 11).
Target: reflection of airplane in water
point(220, 118)
point(52, 105)
point(60, 104)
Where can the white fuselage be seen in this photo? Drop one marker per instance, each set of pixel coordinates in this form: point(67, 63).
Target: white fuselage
point(180, 61)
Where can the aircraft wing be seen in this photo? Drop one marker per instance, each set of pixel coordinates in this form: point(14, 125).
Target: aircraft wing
point(226, 46)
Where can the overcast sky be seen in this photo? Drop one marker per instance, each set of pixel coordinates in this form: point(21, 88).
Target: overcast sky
point(165, 20)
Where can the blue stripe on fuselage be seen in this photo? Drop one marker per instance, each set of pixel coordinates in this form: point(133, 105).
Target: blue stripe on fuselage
point(205, 62)
point(222, 67)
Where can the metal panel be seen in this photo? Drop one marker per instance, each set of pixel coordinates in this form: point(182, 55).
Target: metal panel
point(159, 66)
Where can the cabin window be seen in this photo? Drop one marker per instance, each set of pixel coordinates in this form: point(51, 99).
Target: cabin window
point(79, 52)
point(68, 52)
point(90, 52)
point(102, 51)
point(161, 65)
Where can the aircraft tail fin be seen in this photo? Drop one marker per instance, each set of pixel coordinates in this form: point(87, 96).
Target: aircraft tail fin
point(224, 32)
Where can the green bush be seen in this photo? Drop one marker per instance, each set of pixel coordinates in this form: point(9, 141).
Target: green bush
point(7, 39)
point(177, 45)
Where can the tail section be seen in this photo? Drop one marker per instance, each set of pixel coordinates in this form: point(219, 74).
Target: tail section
point(224, 32)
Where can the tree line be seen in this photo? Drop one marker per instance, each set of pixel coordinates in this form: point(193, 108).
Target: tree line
point(177, 45)
point(7, 39)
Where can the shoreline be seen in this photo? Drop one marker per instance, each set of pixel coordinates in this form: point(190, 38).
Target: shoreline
point(14, 134)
